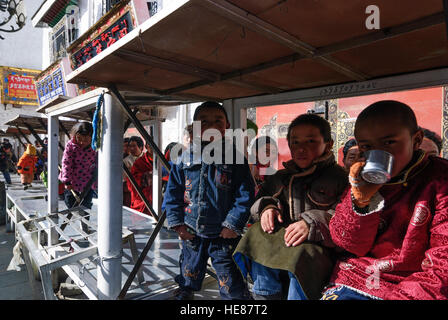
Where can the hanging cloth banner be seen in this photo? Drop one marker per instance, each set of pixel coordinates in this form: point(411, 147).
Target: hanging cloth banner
point(97, 124)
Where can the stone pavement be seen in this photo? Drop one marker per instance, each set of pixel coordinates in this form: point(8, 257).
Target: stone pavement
point(14, 285)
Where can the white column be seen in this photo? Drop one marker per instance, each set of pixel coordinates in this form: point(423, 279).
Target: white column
point(53, 171)
point(110, 200)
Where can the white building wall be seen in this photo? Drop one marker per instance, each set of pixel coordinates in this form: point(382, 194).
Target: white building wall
point(45, 47)
point(22, 49)
point(176, 119)
point(169, 126)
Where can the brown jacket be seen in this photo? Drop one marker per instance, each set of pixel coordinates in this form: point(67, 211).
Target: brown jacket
point(310, 194)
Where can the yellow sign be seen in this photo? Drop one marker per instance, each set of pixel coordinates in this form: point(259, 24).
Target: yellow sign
point(17, 86)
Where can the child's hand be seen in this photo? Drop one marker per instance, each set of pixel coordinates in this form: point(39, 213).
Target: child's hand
point(362, 190)
point(268, 218)
point(296, 233)
point(226, 233)
point(183, 232)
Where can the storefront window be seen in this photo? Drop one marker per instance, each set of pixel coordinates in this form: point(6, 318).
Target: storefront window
point(154, 7)
point(58, 40)
point(428, 105)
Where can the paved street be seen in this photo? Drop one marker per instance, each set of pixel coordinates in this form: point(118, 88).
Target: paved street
point(13, 284)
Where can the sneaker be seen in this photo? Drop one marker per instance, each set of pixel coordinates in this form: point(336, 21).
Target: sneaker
point(183, 294)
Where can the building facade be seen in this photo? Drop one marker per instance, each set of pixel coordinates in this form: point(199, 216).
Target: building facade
point(74, 31)
point(21, 58)
point(429, 104)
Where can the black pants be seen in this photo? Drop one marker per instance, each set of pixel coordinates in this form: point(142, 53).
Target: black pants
point(70, 200)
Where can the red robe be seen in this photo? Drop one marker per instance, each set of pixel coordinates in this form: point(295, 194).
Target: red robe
point(400, 250)
point(142, 173)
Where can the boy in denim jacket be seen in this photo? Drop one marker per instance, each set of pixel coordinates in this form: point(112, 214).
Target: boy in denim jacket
point(207, 204)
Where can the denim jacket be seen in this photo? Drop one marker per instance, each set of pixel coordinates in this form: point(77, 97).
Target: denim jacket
point(207, 196)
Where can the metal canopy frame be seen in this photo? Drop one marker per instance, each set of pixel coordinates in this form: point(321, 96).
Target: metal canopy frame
point(90, 97)
point(25, 124)
point(84, 103)
point(70, 251)
point(35, 126)
point(293, 58)
point(35, 123)
point(425, 79)
point(292, 67)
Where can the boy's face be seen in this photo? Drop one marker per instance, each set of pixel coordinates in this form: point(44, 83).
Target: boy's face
point(389, 134)
point(213, 119)
point(306, 144)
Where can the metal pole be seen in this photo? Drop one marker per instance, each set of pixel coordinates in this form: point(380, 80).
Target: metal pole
point(34, 133)
point(24, 136)
point(18, 153)
point(110, 201)
point(156, 151)
point(142, 256)
point(21, 142)
point(64, 129)
point(157, 171)
point(40, 139)
point(53, 172)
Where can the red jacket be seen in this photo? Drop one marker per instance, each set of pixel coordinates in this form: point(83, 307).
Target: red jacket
point(142, 173)
point(400, 250)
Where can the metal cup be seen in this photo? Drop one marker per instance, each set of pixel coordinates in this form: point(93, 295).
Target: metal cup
point(378, 166)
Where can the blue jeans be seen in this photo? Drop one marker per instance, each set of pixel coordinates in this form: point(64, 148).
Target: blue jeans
point(193, 265)
point(342, 293)
point(267, 281)
point(7, 176)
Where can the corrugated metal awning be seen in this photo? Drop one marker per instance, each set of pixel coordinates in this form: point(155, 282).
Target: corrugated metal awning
point(38, 124)
point(218, 49)
point(50, 12)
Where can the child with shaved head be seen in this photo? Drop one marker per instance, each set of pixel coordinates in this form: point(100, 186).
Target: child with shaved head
point(395, 234)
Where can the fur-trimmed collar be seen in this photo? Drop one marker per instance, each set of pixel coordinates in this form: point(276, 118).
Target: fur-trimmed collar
point(416, 165)
point(323, 161)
